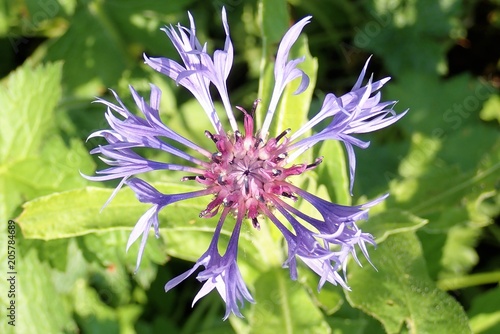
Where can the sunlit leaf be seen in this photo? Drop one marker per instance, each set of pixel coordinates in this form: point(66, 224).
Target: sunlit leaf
point(400, 294)
point(284, 304)
point(485, 312)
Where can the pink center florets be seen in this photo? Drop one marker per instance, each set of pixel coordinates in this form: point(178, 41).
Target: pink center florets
point(246, 172)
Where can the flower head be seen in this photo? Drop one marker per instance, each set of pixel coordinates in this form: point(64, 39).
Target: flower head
point(247, 172)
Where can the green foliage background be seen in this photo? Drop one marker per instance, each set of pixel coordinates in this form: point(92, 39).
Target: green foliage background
point(438, 236)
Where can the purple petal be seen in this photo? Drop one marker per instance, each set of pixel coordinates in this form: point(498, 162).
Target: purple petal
point(285, 71)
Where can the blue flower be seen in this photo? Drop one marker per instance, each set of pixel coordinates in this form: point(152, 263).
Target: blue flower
point(247, 173)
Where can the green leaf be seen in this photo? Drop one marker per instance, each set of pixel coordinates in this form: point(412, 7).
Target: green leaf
point(392, 221)
point(93, 314)
point(485, 312)
point(93, 51)
point(451, 197)
point(330, 298)
point(440, 109)
point(33, 296)
point(273, 20)
point(421, 155)
point(66, 273)
point(28, 99)
point(54, 168)
point(54, 252)
point(353, 326)
point(397, 30)
point(183, 120)
point(284, 306)
point(34, 160)
point(400, 294)
point(437, 190)
point(348, 320)
point(140, 21)
point(459, 254)
point(107, 37)
point(78, 212)
point(108, 249)
point(491, 109)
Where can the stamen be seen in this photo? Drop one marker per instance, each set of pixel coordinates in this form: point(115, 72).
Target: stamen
point(188, 178)
point(281, 156)
point(220, 180)
point(315, 163)
point(256, 223)
point(216, 157)
point(243, 110)
point(289, 195)
point(276, 172)
point(247, 186)
point(211, 136)
point(254, 106)
point(258, 142)
point(284, 133)
point(247, 123)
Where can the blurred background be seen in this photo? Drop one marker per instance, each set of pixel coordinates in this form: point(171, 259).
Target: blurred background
point(441, 164)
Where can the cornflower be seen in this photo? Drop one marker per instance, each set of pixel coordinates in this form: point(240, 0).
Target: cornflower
point(246, 173)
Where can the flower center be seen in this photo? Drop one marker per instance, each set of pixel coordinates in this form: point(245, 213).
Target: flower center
point(246, 172)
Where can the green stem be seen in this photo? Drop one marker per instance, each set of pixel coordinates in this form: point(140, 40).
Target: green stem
point(468, 281)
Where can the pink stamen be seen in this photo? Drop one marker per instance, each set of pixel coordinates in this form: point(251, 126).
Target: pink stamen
point(246, 171)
